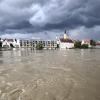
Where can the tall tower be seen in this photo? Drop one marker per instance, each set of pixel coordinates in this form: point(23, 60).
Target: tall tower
point(65, 35)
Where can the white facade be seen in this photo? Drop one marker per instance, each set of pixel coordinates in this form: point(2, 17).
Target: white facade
point(66, 45)
point(65, 42)
point(6, 43)
point(16, 43)
point(47, 44)
point(86, 42)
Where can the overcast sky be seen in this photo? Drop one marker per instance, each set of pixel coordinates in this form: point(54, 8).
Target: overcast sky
point(48, 18)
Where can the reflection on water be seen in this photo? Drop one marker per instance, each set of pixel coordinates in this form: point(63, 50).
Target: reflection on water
point(50, 75)
point(1, 61)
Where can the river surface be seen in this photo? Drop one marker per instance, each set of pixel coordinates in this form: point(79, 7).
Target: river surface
point(50, 74)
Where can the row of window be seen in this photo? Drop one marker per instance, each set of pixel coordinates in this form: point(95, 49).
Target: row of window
point(33, 43)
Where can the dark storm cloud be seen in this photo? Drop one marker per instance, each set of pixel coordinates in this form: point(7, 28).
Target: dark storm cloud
point(33, 16)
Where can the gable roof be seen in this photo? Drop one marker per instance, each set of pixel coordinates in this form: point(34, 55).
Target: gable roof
point(66, 40)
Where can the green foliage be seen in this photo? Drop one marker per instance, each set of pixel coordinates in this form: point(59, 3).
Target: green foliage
point(84, 46)
point(57, 45)
point(0, 44)
point(11, 45)
point(92, 43)
point(39, 46)
point(77, 44)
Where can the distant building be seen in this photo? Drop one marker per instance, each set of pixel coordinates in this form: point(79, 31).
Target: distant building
point(98, 44)
point(16, 43)
point(5, 43)
point(47, 44)
point(10, 43)
point(86, 41)
point(65, 42)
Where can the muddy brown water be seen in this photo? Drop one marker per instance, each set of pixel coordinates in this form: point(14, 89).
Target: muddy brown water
point(50, 74)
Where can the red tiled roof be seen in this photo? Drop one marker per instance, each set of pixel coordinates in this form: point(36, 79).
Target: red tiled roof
point(66, 40)
point(98, 43)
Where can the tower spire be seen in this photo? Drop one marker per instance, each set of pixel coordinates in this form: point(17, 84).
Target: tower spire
point(65, 35)
point(65, 31)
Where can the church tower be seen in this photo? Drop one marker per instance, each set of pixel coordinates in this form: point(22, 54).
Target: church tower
point(65, 35)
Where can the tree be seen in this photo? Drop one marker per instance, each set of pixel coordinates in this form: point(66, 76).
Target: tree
point(39, 46)
point(57, 45)
point(84, 46)
point(92, 43)
point(11, 45)
point(0, 44)
point(77, 44)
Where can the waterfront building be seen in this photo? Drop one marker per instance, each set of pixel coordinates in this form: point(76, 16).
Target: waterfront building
point(16, 43)
point(10, 43)
point(5, 43)
point(65, 42)
point(98, 44)
point(47, 44)
point(86, 41)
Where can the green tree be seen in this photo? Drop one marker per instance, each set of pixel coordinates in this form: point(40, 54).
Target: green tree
point(57, 45)
point(84, 46)
point(11, 45)
point(77, 44)
point(0, 44)
point(92, 43)
point(39, 46)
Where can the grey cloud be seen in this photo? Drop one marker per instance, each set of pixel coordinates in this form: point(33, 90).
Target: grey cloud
point(34, 16)
point(86, 33)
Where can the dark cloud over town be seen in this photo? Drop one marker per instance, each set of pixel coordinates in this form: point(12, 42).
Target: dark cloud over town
point(35, 17)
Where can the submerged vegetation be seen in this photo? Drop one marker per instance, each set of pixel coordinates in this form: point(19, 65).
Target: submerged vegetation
point(84, 46)
point(39, 46)
point(77, 44)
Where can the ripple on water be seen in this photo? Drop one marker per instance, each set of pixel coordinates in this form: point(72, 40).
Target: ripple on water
point(50, 75)
point(51, 88)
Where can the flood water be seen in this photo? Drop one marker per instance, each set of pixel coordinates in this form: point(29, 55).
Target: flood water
point(50, 74)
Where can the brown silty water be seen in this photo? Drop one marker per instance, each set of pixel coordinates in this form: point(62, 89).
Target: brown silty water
point(50, 75)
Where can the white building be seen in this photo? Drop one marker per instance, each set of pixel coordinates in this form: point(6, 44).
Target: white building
point(47, 44)
point(5, 43)
point(86, 41)
point(10, 43)
point(98, 45)
point(16, 43)
point(65, 42)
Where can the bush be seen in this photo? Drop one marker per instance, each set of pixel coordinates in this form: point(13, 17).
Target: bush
point(84, 46)
point(92, 43)
point(39, 46)
point(77, 44)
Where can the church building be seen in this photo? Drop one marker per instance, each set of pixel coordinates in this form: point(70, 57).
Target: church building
point(65, 42)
